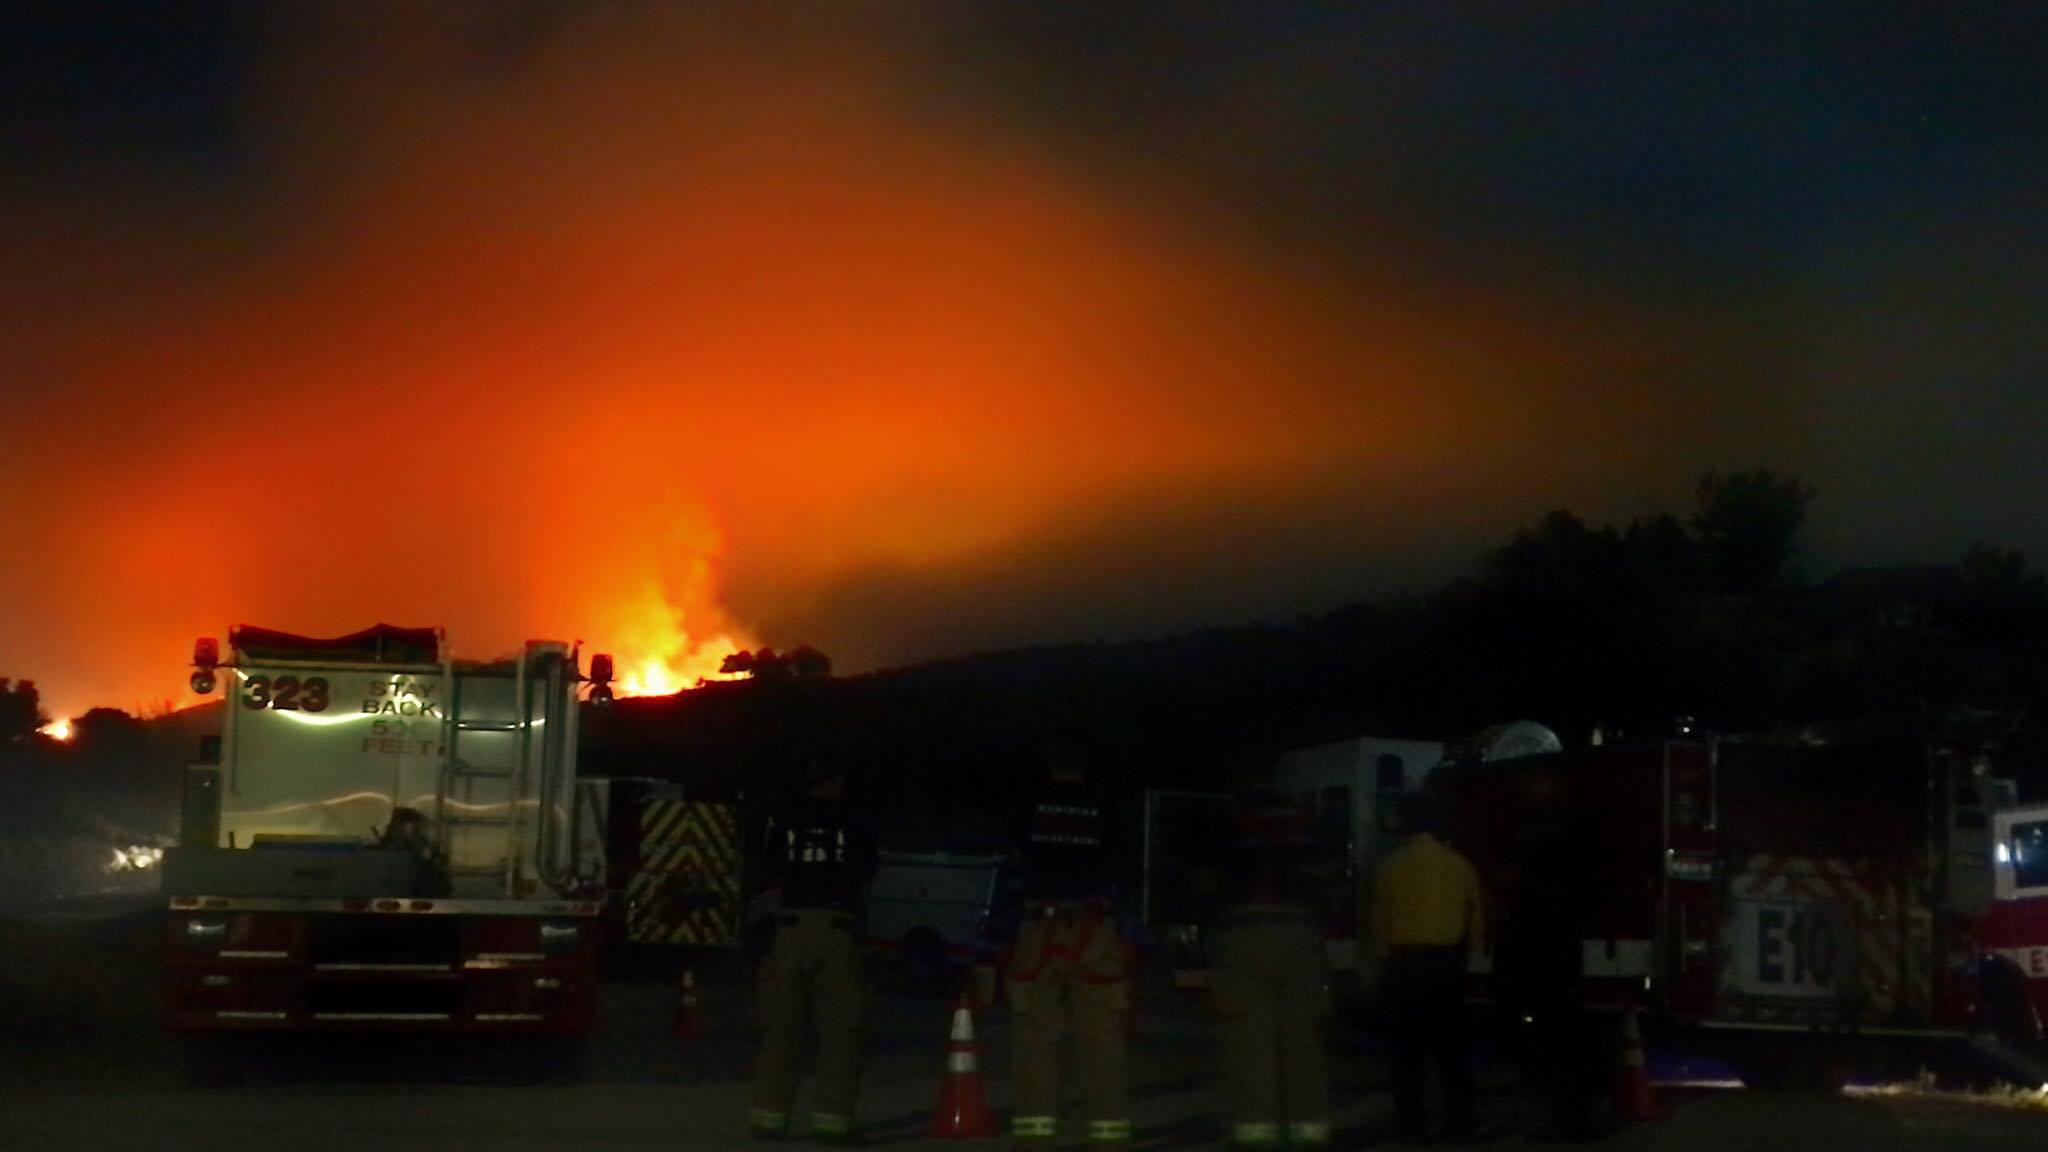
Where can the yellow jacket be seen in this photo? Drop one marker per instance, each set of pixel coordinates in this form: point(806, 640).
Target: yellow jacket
point(1425, 894)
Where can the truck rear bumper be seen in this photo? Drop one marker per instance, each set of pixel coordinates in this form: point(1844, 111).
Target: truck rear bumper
point(261, 971)
point(395, 1009)
point(1845, 1030)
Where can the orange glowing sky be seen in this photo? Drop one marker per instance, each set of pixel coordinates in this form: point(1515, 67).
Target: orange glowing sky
point(677, 334)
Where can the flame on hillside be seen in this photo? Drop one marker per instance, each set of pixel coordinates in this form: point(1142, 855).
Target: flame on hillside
point(665, 659)
point(655, 649)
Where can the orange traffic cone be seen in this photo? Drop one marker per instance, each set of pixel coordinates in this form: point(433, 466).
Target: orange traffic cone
point(689, 1015)
point(963, 1106)
point(1633, 1099)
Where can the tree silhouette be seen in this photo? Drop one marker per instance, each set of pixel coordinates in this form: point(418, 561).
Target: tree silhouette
point(801, 663)
point(21, 711)
point(107, 728)
point(1747, 527)
point(807, 663)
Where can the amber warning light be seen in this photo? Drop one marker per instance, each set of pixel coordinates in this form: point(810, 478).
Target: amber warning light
point(601, 678)
point(205, 658)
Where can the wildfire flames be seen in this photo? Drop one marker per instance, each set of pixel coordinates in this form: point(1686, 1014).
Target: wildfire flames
point(660, 657)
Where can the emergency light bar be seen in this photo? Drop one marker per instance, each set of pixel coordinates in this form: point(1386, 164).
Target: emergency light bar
point(205, 658)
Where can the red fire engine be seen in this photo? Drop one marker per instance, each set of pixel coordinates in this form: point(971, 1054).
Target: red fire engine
point(386, 842)
point(1855, 890)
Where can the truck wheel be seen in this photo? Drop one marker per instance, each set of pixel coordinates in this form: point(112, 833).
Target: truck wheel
point(1765, 1073)
point(2003, 1007)
point(924, 958)
point(1797, 1067)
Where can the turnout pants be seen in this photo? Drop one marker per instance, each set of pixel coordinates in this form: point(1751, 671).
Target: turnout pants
point(1270, 993)
point(812, 978)
point(1425, 994)
point(1070, 971)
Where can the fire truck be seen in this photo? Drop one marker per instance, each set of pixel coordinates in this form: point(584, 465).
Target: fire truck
point(385, 839)
point(1755, 894)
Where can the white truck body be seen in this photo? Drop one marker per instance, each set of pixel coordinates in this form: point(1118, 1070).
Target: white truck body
point(1350, 788)
point(486, 752)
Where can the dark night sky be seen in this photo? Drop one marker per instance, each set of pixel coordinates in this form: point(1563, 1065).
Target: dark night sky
point(905, 330)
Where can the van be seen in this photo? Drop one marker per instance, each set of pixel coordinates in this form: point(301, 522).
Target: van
point(937, 910)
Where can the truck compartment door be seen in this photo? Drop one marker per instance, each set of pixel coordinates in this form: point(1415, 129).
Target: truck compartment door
point(1815, 941)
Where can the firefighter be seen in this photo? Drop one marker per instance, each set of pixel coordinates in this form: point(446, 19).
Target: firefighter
point(1541, 958)
point(812, 976)
point(1426, 924)
point(1070, 968)
point(1270, 981)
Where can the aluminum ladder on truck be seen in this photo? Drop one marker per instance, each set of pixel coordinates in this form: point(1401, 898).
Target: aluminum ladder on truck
point(484, 793)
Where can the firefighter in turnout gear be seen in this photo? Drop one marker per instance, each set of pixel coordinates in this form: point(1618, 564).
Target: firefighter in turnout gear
point(1270, 982)
point(812, 975)
point(1070, 970)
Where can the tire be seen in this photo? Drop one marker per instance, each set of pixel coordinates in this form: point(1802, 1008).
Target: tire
point(1764, 1073)
point(2003, 1007)
point(1798, 1066)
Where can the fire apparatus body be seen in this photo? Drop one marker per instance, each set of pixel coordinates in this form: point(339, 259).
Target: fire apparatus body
point(289, 908)
point(2013, 992)
point(1186, 835)
point(674, 865)
point(1760, 893)
point(1350, 789)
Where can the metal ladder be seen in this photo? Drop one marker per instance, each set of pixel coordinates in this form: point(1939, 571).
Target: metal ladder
point(457, 772)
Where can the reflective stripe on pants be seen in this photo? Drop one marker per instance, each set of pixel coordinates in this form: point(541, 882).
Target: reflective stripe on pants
point(1071, 972)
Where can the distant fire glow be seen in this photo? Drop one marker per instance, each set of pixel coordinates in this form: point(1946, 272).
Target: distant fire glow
point(57, 729)
point(682, 344)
